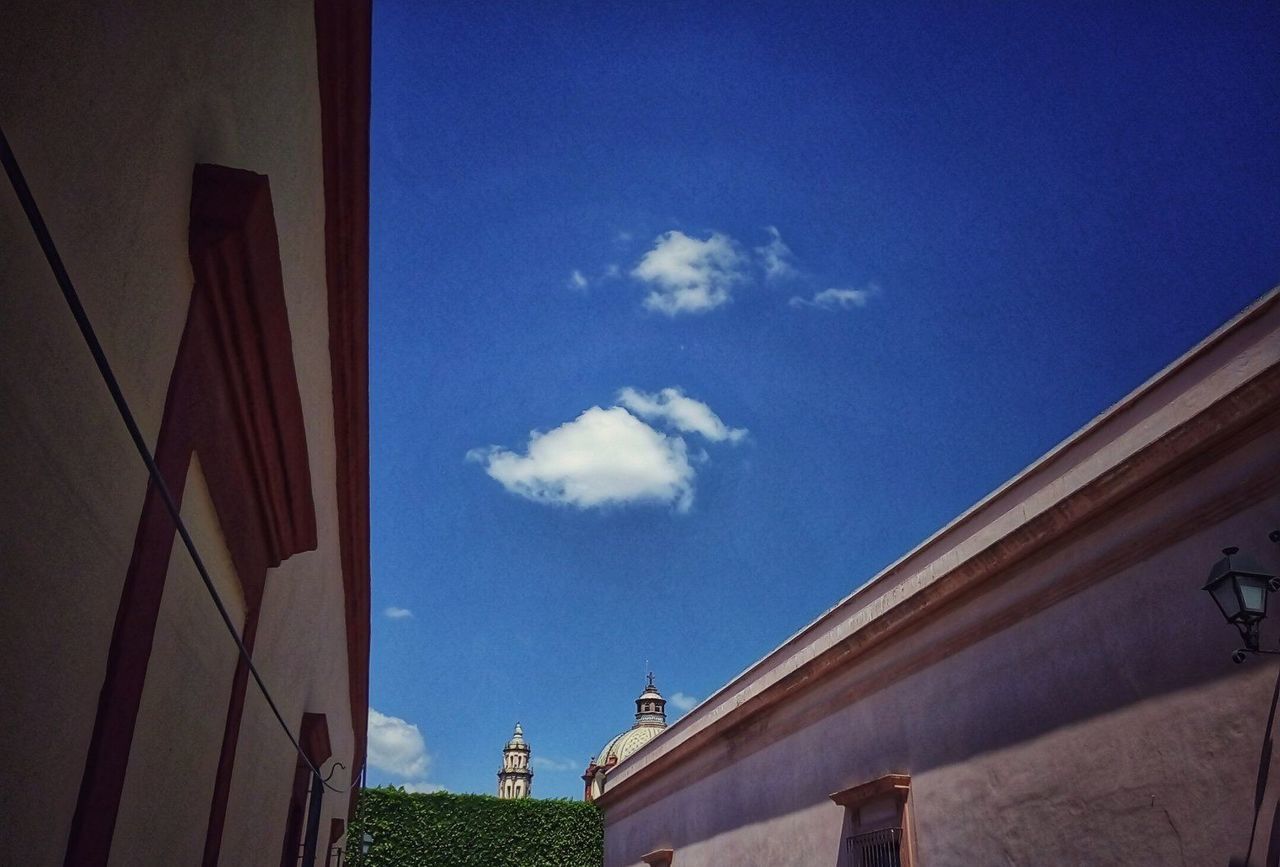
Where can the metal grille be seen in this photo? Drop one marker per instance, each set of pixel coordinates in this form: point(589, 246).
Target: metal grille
point(875, 848)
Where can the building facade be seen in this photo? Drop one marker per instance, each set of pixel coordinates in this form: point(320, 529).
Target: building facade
point(515, 780)
point(203, 170)
point(651, 719)
point(1042, 681)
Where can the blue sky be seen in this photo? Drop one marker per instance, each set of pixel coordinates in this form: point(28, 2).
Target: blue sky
point(819, 276)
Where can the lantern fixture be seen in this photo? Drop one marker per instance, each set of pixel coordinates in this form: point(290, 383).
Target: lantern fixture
point(1240, 588)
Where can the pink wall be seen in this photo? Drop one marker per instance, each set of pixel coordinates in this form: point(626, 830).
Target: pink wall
point(1078, 705)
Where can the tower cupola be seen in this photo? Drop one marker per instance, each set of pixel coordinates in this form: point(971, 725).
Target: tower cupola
point(651, 707)
point(515, 780)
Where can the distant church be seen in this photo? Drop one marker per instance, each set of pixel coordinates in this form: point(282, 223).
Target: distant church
point(651, 719)
point(515, 780)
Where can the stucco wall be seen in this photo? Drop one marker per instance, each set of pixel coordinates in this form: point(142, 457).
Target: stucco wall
point(174, 755)
point(1111, 728)
point(109, 107)
point(1079, 706)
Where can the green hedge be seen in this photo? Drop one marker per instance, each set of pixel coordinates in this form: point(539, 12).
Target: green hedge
point(447, 830)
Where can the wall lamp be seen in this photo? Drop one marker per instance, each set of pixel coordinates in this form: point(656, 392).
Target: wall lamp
point(1240, 588)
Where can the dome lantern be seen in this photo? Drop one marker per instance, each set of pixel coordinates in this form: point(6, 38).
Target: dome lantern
point(651, 707)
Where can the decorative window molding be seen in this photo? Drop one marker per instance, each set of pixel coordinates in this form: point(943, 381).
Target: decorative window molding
point(232, 399)
point(659, 857)
point(314, 738)
point(878, 822)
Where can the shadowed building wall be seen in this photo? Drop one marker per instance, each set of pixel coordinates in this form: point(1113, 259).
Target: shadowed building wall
point(204, 172)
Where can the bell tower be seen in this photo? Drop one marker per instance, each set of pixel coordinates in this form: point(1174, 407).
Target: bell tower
point(515, 780)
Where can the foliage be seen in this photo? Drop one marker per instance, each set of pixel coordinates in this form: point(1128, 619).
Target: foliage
point(442, 829)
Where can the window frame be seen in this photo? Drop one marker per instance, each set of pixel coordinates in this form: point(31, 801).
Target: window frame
point(896, 787)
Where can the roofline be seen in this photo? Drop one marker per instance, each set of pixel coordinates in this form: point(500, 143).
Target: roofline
point(343, 34)
point(711, 714)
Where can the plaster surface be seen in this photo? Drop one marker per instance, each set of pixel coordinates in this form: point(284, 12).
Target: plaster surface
point(108, 108)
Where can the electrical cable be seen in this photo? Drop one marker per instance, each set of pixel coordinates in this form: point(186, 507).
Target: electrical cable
point(45, 239)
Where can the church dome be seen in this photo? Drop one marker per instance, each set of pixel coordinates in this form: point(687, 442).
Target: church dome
point(627, 743)
point(651, 719)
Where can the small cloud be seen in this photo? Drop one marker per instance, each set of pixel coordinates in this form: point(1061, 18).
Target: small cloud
point(421, 788)
point(542, 763)
point(394, 613)
point(396, 746)
point(611, 272)
point(610, 456)
point(687, 275)
point(838, 299)
point(684, 701)
point(603, 457)
point(681, 412)
point(775, 258)
point(578, 282)
point(623, 237)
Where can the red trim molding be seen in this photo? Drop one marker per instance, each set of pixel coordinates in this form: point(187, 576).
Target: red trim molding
point(233, 399)
point(343, 45)
point(313, 735)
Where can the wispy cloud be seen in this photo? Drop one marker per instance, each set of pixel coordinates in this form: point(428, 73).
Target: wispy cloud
point(396, 746)
point(609, 456)
point(688, 275)
point(394, 613)
point(578, 281)
point(542, 763)
point(775, 257)
point(681, 412)
point(684, 701)
point(838, 299)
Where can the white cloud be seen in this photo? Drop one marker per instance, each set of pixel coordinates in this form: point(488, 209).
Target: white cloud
point(681, 412)
point(684, 701)
point(687, 275)
point(838, 299)
point(578, 281)
point(610, 456)
point(542, 763)
point(395, 613)
point(611, 272)
point(603, 457)
point(396, 746)
point(775, 257)
point(422, 787)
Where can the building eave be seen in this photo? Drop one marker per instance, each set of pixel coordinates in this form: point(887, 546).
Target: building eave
point(343, 53)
